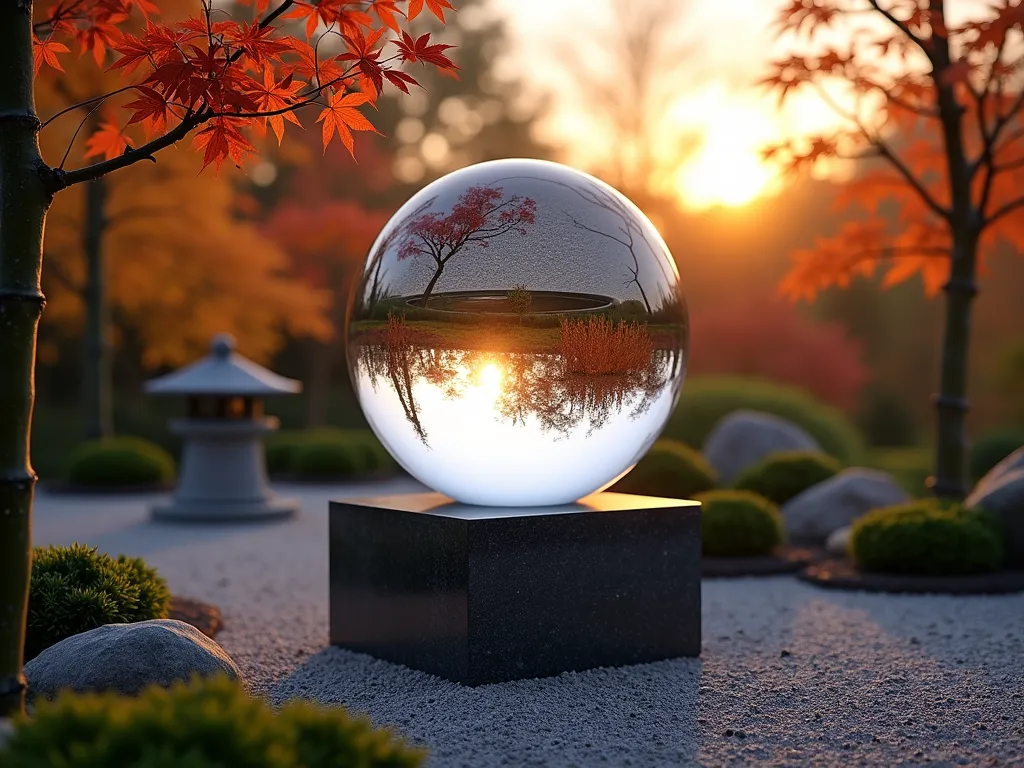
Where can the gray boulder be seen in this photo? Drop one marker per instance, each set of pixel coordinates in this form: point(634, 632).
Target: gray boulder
point(126, 658)
point(838, 541)
point(814, 515)
point(743, 438)
point(1001, 494)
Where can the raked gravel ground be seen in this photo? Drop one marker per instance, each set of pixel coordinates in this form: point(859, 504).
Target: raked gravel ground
point(789, 674)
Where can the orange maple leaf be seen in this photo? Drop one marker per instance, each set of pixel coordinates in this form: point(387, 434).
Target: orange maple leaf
point(221, 139)
point(109, 141)
point(274, 95)
point(341, 115)
point(437, 7)
point(45, 52)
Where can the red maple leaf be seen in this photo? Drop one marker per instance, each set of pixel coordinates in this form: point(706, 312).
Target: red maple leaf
point(45, 52)
point(97, 38)
point(150, 110)
point(420, 50)
point(341, 115)
point(437, 7)
point(109, 141)
point(361, 50)
point(386, 10)
point(221, 139)
point(308, 68)
point(272, 96)
point(399, 79)
point(256, 43)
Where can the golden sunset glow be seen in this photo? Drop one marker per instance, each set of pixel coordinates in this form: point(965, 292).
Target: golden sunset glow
point(490, 376)
point(723, 174)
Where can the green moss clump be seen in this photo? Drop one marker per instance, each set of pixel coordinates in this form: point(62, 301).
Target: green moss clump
point(207, 723)
point(781, 476)
point(75, 589)
point(670, 469)
point(120, 461)
point(738, 524)
point(326, 453)
point(927, 537)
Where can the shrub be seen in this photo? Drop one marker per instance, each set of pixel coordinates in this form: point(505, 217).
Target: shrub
point(669, 469)
point(781, 476)
point(598, 346)
point(327, 452)
point(75, 589)
point(328, 459)
point(120, 461)
point(706, 400)
point(927, 537)
point(992, 448)
point(207, 723)
point(738, 524)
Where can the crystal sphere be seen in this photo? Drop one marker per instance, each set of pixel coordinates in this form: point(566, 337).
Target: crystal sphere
point(518, 336)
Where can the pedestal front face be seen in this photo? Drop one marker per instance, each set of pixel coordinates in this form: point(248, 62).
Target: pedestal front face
point(483, 594)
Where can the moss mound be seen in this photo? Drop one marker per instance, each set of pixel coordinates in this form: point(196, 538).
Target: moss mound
point(927, 537)
point(738, 524)
point(75, 589)
point(670, 469)
point(781, 476)
point(208, 723)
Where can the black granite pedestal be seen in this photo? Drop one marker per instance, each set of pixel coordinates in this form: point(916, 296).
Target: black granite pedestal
point(484, 595)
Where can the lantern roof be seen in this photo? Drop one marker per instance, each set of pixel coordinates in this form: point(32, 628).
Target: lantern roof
point(223, 372)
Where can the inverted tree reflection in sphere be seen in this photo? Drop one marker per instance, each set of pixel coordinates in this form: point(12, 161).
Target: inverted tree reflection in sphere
point(518, 336)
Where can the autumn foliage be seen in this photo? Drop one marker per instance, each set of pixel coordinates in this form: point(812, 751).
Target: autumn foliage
point(224, 79)
point(597, 346)
point(930, 109)
point(764, 338)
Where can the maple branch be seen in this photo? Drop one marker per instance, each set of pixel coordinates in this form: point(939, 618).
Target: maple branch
point(885, 151)
point(1003, 211)
point(64, 179)
point(902, 27)
point(85, 103)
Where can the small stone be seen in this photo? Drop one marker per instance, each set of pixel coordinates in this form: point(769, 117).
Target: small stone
point(729, 732)
point(982, 727)
point(126, 658)
point(741, 734)
point(785, 653)
point(914, 641)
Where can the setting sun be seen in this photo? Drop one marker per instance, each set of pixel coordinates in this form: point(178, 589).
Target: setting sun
point(724, 174)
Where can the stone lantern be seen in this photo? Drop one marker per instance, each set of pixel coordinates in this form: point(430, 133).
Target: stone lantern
point(223, 471)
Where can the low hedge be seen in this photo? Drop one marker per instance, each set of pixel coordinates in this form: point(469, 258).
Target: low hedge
point(781, 476)
point(738, 524)
point(74, 589)
point(207, 723)
point(670, 469)
point(927, 537)
point(326, 453)
point(121, 462)
point(706, 400)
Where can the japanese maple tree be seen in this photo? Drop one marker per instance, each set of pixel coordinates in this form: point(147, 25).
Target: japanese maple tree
point(480, 215)
point(931, 106)
point(219, 77)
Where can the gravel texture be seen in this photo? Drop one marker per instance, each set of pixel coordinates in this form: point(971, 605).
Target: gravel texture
point(790, 674)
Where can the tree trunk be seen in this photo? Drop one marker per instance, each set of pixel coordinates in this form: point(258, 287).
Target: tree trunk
point(23, 203)
point(97, 385)
point(951, 466)
point(430, 285)
point(319, 356)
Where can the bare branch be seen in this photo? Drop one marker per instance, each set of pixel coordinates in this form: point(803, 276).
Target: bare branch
point(999, 213)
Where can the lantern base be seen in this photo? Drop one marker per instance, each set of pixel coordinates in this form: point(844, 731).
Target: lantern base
point(484, 595)
point(226, 511)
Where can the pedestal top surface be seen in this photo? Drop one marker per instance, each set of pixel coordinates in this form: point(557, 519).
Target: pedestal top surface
point(439, 504)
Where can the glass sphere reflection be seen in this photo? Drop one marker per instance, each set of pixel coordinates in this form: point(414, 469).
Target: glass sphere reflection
point(518, 336)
